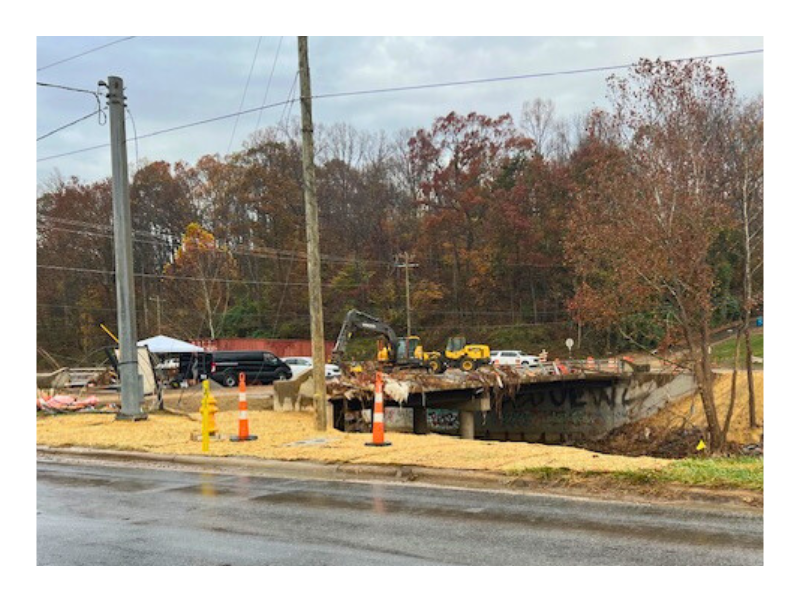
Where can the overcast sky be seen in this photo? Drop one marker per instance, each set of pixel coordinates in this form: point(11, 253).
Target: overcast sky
point(171, 81)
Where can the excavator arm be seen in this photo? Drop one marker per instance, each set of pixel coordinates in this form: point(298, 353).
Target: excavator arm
point(355, 321)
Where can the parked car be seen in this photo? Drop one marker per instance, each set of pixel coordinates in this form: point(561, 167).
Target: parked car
point(257, 366)
point(514, 358)
point(300, 364)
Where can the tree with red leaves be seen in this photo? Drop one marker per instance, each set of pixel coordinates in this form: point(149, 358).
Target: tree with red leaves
point(651, 204)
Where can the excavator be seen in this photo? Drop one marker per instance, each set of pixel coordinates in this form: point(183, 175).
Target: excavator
point(407, 352)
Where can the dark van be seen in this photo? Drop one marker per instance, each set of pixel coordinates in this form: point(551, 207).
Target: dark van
point(257, 366)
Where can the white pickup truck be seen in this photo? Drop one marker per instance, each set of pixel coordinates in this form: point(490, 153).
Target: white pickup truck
point(514, 358)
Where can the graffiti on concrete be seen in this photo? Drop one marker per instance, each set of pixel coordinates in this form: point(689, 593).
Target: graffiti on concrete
point(591, 411)
point(443, 420)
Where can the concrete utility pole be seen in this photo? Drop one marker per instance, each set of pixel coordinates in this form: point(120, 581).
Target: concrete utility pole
point(406, 265)
point(130, 384)
point(312, 240)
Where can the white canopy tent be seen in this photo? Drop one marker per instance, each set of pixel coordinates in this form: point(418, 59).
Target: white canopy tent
point(162, 344)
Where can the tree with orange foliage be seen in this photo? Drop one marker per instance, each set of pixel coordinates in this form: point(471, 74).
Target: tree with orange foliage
point(209, 269)
point(651, 204)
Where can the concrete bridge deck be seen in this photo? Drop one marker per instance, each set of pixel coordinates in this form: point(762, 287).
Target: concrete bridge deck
point(536, 404)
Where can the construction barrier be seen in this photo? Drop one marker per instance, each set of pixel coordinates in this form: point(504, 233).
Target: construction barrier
point(377, 414)
point(590, 364)
point(244, 423)
point(612, 364)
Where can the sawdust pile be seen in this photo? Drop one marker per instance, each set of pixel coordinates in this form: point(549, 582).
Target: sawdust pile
point(689, 411)
point(170, 434)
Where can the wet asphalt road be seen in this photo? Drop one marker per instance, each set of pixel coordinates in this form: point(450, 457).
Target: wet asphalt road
point(99, 515)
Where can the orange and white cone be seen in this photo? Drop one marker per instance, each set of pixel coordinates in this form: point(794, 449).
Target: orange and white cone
point(377, 414)
point(244, 423)
point(590, 366)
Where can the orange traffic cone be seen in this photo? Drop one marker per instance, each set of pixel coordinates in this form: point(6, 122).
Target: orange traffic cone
point(244, 423)
point(590, 366)
point(377, 414)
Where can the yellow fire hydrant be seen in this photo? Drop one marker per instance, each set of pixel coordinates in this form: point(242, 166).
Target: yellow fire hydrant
point(208, 409)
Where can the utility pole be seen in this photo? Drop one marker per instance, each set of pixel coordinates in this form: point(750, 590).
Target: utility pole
point(312, 240)
point(144, 304)
point(406, 265)
point(128, 368)
point(158, 301)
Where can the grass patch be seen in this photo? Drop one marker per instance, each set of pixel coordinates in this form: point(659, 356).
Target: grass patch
point(724, 352)
point(742, 473)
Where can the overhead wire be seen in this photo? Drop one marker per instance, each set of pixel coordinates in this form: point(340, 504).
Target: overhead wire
point(99, 111)
point(70, 124)
point(168, 130)
point(427, 86)
point(269, 81)
point(190, 278)
point(63, 60)
point(66, 88)
point(410, 88)
point(135, 134)
point(172, 240)
point(290, 99)
point(244, 94)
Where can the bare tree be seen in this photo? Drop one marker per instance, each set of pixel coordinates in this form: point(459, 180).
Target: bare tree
point(747, 193)
point(538, 121)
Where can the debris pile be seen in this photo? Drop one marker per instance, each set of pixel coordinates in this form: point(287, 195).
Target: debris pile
point(501, 381)
point(64, 403)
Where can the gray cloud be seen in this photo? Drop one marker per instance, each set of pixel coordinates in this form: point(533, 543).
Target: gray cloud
point(175, 80)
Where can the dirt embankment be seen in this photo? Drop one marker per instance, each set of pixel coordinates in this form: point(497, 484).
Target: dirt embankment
point(676, 430)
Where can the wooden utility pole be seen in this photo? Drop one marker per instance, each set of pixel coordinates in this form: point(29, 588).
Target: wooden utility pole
point(312, 239)
point(407, 265)
point(131, 394)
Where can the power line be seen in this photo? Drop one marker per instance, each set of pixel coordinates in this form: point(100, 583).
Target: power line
point(518, 77)
point(409, 88)
point(96, 96)
point(70, 124)
point(171, 240)
point(189, 278)
point(135, 135)
point(269, 81)
point(66, 87)
point(290, 99)
point(244, 94)
point(169, 130)
point(63, 60)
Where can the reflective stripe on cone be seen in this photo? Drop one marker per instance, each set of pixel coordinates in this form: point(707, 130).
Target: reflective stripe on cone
point(377, 414)
point(244, 423)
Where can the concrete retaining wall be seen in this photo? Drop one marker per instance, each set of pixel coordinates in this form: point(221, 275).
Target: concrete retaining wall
point(562, 411)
